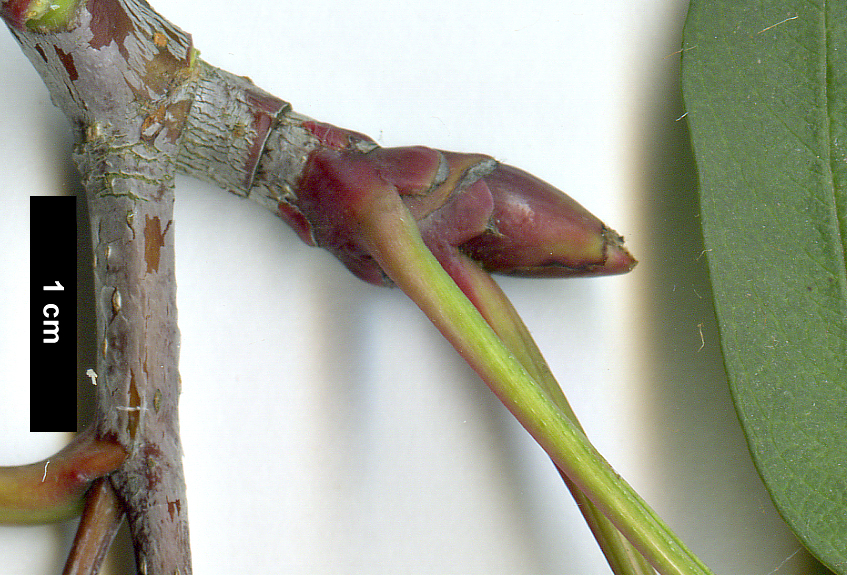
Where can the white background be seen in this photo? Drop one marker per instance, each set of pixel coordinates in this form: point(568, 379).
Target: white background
point(327, 428)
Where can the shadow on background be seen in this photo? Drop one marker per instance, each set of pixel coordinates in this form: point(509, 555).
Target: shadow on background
point(715, 499)
point(85, 326)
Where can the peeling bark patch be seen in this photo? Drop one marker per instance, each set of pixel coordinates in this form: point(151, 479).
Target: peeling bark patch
point(177, 113)
point(130, 220)
point(133, 414)
point(169, 118)
point(67, 61)
point(156, 117)
point(153, 123)
point(161, 71)
point(41, 52)
point(173, 508)
point(109, 22)
point(116, 302)
point(154, 241)
point(153, 467)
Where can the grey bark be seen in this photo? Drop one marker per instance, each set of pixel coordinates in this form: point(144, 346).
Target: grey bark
point(121, 76)
point(245, 140)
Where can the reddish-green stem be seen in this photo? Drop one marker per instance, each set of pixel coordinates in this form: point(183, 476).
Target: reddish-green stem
point(481, 289)
point(100, 521)
point(53, 489)
point(393, 239)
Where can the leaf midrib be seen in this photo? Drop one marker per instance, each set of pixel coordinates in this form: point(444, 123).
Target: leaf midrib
point(831, 166)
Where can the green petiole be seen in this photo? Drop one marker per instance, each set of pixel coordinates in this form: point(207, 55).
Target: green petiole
point(395, 242)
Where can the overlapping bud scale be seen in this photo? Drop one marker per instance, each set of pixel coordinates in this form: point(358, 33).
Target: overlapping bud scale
point(503, 218)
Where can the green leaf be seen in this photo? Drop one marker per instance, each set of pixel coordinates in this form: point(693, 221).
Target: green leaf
point(765, 85)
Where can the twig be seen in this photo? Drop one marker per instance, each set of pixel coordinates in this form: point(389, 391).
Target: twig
point(100, 521)
point(53, 489)
point(122, 75)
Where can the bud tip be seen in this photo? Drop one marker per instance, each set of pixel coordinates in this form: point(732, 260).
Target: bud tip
point(618, 258)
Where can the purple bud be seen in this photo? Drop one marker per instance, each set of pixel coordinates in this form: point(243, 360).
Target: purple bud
point(504, 218)
point(536, 230)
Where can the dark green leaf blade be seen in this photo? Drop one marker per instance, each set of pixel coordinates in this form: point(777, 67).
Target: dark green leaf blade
point(765, 86)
